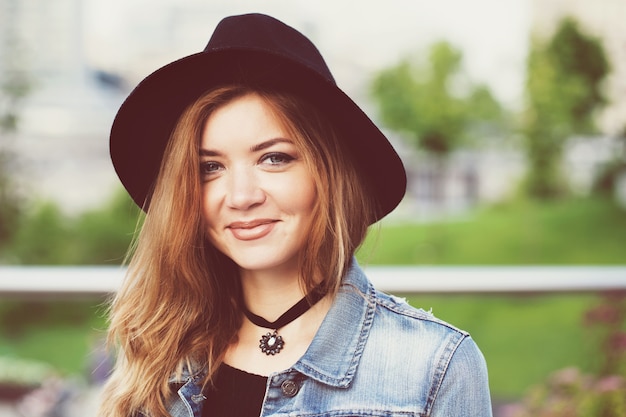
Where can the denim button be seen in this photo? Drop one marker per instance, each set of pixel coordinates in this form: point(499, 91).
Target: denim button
point(289, 388)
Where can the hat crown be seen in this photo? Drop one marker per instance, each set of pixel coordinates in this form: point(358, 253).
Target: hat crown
point(262, 33)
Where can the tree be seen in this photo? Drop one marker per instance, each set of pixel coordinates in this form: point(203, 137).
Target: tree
point(564, 93)
point(99, 236)
point(10, 202)
point(433, 104)
point(14, 87)
point(104, 235)
point(43, 237)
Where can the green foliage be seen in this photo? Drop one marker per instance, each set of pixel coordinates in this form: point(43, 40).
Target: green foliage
point(104, 235)
point(15, 85)
point(581, 58)
point(58, 333)
point(15, 80)
point(48, 236)
point(431, 103)
point(564, 93)
point(10, 202)
point(577, 232)
point(42, 237)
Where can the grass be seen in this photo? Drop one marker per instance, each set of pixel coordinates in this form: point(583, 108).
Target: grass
point(574, 232)
point(60, 333)
point(524, 338)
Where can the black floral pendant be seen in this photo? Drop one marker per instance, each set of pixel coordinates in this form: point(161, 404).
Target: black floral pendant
point(271, 343)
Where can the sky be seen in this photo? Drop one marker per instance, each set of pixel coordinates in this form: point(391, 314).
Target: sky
point(355, 37)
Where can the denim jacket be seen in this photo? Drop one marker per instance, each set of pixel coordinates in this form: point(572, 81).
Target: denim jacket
point(374, 355)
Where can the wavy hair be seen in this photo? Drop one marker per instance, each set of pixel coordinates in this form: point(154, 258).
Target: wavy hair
point(179, 303)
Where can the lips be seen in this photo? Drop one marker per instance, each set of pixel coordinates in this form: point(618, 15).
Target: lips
point(251, 230)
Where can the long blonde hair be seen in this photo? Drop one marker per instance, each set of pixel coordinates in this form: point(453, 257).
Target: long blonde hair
point(179, 304)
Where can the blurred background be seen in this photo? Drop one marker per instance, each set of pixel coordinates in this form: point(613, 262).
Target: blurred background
point(510, 116)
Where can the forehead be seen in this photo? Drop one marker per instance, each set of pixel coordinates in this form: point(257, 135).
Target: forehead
point(256, 116)
point(249, 117)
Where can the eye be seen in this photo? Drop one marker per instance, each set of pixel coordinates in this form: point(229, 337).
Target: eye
point(276, 158)
point(209, 168)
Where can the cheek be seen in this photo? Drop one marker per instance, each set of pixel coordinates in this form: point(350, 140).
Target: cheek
point(310, 195)
point(302, 196)
point(209, 207)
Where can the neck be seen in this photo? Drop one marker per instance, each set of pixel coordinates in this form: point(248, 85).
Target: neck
point(270, 294)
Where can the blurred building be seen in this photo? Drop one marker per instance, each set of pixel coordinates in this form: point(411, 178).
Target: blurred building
point(61, 142)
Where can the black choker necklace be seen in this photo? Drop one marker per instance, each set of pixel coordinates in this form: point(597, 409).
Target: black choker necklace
point(272, 343)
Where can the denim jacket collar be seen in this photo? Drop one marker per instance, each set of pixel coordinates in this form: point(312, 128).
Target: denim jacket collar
point(333, 356)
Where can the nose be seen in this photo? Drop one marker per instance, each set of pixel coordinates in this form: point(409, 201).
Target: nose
point(244, 189)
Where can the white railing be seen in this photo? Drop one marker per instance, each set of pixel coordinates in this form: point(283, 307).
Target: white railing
point(100, 280)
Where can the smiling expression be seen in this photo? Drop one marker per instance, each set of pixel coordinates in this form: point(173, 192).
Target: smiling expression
point(258, 195)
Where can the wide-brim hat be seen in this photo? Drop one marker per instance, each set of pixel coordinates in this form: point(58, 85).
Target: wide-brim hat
point(258, 50)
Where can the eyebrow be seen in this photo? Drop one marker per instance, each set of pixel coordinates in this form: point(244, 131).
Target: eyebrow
point(256, 148)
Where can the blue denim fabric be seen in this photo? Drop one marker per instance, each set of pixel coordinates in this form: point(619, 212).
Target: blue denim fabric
point(374, 355)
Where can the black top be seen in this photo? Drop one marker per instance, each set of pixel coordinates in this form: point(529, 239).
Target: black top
point(236, 394)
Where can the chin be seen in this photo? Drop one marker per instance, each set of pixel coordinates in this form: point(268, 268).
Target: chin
point(265, 262)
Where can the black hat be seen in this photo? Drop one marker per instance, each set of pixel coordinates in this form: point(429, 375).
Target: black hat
point(251, 49)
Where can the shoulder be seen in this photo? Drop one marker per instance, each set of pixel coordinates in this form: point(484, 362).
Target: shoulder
point(410, 321)
point(392, 325)
point(418, 339)
point(439, 361)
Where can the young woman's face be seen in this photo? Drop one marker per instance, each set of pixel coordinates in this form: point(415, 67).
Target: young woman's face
point(257, 194)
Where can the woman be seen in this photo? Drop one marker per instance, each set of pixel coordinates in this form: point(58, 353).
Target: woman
point(259, 178)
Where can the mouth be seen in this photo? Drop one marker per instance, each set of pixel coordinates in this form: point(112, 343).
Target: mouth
point(251, 230)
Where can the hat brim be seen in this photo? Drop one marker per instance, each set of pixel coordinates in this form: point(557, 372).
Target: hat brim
point(144, 122)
